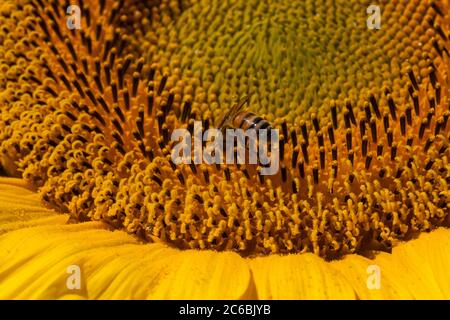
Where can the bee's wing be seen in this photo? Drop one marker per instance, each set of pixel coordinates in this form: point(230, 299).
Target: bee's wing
point(235, 109)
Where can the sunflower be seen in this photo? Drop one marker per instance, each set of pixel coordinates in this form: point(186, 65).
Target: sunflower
point(94, 207)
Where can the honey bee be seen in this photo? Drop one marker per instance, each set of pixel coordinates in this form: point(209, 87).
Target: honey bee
point(238, 118)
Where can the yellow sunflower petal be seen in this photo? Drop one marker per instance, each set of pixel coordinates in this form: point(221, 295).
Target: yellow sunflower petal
point(20, 207)
point(300, 276)
point(37, 261)
point(415, 270)
point(157, 272)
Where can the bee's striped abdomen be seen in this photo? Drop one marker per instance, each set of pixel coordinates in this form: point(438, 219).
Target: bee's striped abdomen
point(249, 120)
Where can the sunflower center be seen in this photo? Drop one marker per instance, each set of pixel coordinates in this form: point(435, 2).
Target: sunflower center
point(90, 123)
point(288, 56)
